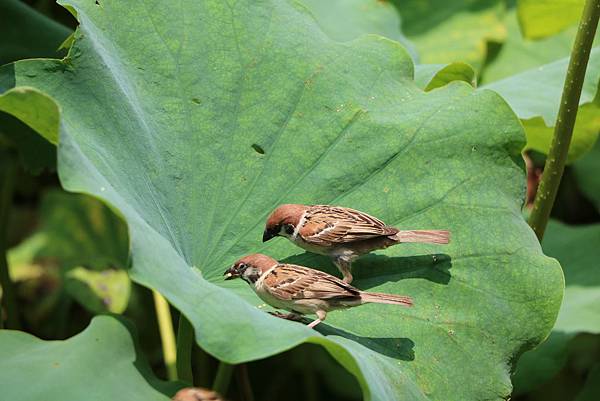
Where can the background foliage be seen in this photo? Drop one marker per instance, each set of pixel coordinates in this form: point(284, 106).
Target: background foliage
point(274, 78)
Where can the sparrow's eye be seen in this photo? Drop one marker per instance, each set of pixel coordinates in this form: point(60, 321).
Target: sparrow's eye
point(241, 267)
point(289, 228)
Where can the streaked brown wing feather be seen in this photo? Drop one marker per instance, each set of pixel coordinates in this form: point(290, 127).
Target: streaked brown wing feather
point(290, 282)
point(331, 225)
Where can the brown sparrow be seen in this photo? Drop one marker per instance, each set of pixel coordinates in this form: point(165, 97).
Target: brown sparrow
point(302, 290)
point(341, 233)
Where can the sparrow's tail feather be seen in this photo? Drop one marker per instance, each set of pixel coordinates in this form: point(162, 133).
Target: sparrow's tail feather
point(428, 236)
point(380, 298)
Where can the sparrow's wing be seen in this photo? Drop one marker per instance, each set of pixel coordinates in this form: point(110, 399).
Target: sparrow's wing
point(291, 282)
point(330, 225)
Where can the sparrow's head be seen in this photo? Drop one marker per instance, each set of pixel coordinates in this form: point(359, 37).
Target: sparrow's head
point(250, 267)
point(283, 221)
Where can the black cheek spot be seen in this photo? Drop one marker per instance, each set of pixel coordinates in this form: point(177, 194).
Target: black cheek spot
point(258, 149)
point(289, 228)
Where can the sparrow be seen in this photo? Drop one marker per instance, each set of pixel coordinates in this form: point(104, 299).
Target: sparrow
point(302, 290)
point(341, 233)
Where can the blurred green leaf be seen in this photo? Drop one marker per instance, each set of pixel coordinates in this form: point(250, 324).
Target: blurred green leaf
point(534, 93)
point(586, 171)
point(591, 389)
point(26, 33)
point(541, 18)
point(77, 230)
point(433, 76)
point(447, 31)
point(170, 139)
point(345, 20)
point(101, 363)
point(539, 365)
point(578, 250)
point(99, 291)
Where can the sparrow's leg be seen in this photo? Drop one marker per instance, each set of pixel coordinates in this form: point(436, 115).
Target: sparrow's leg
point(344, 265)
point(321, 314)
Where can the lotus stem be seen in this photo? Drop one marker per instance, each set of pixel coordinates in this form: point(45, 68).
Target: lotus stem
point(185, 342)
point(563, 130)
point(223, 378)
point(9, 299)
point(167, 335)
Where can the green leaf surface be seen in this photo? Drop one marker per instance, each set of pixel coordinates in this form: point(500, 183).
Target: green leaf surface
point(541, 18)
point(578, 250)
point(195, 151)
point(101, 363)
point(433, 76)
point(447, 31)
point(345, 20)
point(586, 171)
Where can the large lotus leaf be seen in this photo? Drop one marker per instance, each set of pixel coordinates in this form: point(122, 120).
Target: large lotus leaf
point(195, 119)
point(448, 31)
point(578, 250)
point(101, 363)
point(345, 20)
point(541, 18)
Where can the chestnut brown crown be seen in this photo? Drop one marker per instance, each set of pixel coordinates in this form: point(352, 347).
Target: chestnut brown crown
point(255, 261)
point(285, 217)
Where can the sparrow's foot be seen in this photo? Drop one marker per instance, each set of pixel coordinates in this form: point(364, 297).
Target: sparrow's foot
point(321, 314)
point(288, 316)
point(344, 267)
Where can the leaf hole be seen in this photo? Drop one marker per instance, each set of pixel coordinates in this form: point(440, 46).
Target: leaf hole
point(258, 149)
point(97, 2)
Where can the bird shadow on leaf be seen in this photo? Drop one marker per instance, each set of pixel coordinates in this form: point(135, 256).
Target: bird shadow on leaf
point(373, 270)
point(397, 348)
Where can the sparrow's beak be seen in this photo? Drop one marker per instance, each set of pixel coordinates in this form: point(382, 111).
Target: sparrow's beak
point(231, 273)
point(267, 235)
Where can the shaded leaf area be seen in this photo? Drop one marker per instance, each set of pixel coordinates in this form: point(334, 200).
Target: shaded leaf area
point(578, 250)
point(586, 171)
point(25, 34)
point(78, 248)
point(530, 76)
point(339, 123)
point(345, 20)
point(541, 18)
point(449, 31)
point(101, 363)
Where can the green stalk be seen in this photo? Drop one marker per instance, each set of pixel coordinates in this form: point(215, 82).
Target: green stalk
point(223, 378)
point(185, 343)
point(167, 335)
point(9, 299)
point(563, 131)
point(244, 385)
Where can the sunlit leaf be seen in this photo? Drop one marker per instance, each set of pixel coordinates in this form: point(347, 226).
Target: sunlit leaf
point(541, 18)
point(195, 128)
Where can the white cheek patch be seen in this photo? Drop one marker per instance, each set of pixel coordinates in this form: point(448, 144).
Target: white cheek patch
point(299, 226)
